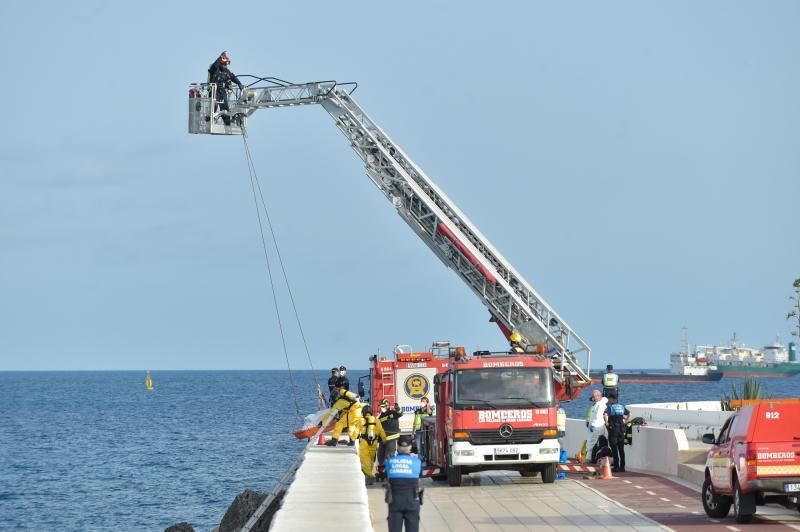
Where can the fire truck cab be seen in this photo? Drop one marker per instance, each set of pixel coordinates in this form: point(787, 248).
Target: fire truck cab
point(493, 411)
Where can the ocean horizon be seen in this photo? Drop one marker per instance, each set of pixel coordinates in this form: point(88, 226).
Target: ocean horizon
point(93, 450)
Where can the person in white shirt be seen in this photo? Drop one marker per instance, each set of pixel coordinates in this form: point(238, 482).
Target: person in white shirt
point(595, 423)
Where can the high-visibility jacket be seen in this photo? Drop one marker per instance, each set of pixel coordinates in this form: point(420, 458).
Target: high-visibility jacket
point(419, 413)
point(390, 421)
point(610, 380)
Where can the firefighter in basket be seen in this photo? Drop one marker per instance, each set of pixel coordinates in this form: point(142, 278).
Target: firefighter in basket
point(221, 76)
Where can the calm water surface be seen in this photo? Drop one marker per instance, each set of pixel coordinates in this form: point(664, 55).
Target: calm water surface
point(95, 451)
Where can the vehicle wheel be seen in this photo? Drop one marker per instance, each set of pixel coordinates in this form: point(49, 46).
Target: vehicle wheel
point(716, 506)
point(549, 473)
point(738, 502)
point(528, 473)
point(454, 476)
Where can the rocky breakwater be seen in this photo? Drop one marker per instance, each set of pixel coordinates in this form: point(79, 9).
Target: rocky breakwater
point(239, 512)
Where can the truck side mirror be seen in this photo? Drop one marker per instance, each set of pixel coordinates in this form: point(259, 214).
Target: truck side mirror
point(361, 391)
point(436, 384)
point(709, 439)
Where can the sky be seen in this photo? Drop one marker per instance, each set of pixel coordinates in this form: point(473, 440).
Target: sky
point(637, 162)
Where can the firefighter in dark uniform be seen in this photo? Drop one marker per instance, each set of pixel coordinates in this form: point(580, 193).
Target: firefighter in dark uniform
point(220, 75)
point(332, 390)
point(610, 382)
point(390, 421)
point(343, 381)
point(617, 418)
point(402, 492)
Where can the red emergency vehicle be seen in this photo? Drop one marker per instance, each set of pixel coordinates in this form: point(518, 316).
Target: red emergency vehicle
point(491, 410)
point(755, 457)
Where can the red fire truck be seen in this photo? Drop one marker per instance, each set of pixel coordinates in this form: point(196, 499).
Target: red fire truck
point(491, 410)
point(495, 411)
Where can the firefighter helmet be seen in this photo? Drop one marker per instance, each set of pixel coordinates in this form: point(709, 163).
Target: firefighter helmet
point(515, 337)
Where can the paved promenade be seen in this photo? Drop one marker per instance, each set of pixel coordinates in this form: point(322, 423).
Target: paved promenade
point(328, 490)
point(504, 501)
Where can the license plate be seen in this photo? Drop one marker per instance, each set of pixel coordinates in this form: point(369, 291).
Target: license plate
point(506, 450)
point(791, 488)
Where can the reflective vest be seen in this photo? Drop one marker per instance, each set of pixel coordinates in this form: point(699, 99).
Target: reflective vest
point(418, 414)
point(610, 380)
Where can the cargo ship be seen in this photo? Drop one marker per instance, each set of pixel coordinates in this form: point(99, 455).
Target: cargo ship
point(738, 360)
point(684, 367)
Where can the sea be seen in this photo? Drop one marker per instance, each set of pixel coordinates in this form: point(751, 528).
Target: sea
point(95, 451)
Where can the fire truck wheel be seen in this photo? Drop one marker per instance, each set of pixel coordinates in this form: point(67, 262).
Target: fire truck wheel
point(715, 505)
point(454, 476)
point(549, 473)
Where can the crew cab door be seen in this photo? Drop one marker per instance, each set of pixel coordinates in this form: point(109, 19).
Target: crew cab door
point(721, 456)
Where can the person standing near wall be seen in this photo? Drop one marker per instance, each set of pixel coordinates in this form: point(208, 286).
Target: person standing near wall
point(595, 422)
point(616, 418)
point(610, 382)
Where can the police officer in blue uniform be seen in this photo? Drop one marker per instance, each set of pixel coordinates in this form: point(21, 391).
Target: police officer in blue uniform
point(403, 493)
point(617, 418)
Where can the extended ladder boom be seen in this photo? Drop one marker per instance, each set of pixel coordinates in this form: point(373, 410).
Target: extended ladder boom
point(511, 300)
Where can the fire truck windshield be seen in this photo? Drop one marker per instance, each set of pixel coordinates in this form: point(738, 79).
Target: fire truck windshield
point(504, 387)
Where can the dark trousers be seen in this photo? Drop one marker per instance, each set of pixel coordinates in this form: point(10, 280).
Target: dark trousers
point(386, 450)
point(404, 509)
point(617, 443)
point(222, 98)
point(608, 392)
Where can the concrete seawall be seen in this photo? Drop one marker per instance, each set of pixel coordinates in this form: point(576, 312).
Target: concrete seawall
point(327, 492)
point(654, 449)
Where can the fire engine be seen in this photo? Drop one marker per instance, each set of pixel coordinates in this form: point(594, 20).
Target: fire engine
point(490, 410)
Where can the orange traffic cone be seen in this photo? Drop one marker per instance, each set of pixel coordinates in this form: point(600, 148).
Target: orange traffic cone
point(607, 469)
point(321, 440)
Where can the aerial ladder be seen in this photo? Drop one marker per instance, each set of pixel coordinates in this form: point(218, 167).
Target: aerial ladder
point(512, 302)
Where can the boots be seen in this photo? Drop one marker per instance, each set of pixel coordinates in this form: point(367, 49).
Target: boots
point(332, 442)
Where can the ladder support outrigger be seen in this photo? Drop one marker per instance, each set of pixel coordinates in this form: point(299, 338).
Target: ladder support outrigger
point(511, 300)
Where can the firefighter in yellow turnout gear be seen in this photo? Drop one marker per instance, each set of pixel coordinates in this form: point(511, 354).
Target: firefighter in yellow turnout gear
point(371, 432)
point(348, 406)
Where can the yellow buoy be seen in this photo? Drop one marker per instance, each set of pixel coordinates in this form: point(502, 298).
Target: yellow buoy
point(148, 382)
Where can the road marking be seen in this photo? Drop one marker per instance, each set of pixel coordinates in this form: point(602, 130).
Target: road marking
point(696, 513)
point(664, 499)
point(627, 482)
point(680, 506)
point(638, 487)
point(649, 492)
point(734, 528)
